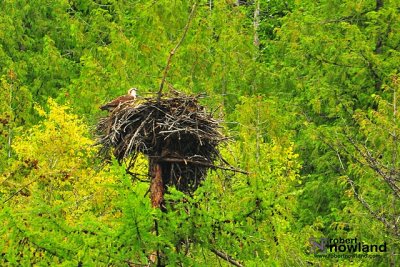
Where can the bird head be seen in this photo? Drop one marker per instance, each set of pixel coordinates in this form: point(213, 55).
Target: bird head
point(132, 92)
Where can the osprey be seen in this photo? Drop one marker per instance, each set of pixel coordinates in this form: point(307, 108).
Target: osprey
point(110, 106)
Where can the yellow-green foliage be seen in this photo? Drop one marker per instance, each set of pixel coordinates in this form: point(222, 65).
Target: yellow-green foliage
point(50, 184)
point(59, 143)
point(57, 151)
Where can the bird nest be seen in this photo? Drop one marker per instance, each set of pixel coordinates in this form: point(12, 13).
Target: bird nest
point(173, 131)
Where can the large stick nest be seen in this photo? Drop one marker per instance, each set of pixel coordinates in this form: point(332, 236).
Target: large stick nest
point(174, 131)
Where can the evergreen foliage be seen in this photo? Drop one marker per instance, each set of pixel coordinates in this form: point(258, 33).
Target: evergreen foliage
point(310, 94)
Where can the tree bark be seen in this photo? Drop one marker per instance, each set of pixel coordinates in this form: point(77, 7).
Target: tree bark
point(378, 46)
point(256, 23)
point(379, 4)
point(156, 186)
point(157, 199)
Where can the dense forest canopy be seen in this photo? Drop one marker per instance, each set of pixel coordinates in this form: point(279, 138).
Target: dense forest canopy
point(308, 91)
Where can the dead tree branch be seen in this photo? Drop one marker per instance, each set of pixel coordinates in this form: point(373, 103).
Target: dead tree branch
point(173, 51)
point(226, 257)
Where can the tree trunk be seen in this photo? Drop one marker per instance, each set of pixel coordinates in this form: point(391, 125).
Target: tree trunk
point(157, 199)
point(256, 23)
point(157, 185)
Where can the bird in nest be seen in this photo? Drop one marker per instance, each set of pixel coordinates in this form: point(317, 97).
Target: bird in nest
point(129, 97)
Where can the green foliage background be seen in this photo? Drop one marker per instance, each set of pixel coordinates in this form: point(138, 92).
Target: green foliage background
point(323, 76)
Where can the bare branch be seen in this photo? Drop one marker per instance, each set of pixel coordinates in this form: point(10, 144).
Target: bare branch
point(173, 51)
point(371, 162)
point(374, 164)
point(226, 257)
point(18, 191)
point(382, 218)
point(202, 163)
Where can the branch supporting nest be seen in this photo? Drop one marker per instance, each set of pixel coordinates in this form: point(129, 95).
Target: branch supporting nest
point(201, 163)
